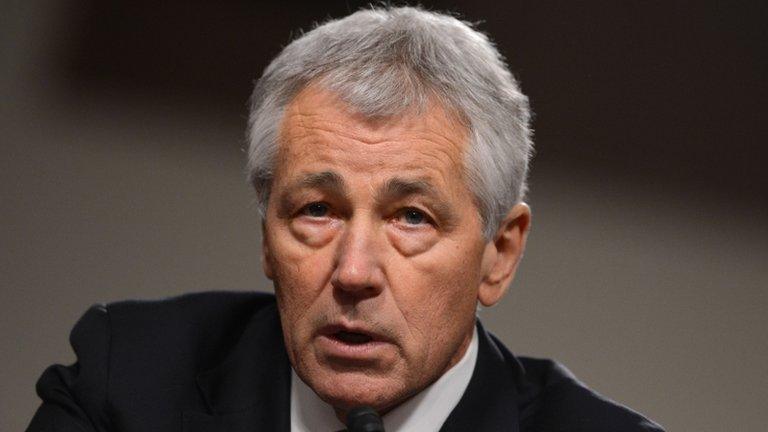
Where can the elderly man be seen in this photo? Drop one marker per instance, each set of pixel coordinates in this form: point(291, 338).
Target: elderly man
point(389, 152)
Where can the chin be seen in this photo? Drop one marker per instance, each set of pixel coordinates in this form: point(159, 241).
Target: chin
point(350, 389)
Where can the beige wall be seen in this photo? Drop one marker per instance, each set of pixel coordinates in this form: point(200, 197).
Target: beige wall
point(655, 300)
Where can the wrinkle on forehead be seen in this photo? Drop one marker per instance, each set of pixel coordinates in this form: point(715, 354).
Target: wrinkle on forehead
point(308, 114)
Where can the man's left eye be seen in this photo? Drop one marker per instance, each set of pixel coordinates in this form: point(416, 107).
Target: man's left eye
point(414, 217)
point(315, 209)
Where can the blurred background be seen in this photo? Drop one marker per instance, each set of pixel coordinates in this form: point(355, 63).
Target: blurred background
point(121, 176)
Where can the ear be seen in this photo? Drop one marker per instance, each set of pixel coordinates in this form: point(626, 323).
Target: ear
point(503, 254)
point(266, 258)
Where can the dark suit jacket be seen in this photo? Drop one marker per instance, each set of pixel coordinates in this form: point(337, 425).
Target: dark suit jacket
point(216, 362)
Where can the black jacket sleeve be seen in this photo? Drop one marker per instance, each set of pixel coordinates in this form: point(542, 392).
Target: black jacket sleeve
point(75, 397)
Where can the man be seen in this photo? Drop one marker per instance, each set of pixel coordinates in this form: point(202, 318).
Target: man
point(389, 152)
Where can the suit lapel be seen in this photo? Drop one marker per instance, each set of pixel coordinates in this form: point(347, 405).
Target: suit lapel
point(250, 390)
point(490, 402)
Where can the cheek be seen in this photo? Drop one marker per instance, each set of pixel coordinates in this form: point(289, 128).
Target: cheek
point(437, 293)
point(302, 272)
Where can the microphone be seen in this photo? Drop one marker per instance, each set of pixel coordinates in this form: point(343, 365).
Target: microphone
point(364, 419)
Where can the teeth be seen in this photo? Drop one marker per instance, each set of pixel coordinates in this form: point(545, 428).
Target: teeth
point(353, 338)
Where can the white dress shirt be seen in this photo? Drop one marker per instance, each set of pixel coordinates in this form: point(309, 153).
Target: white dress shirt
point(424, 412)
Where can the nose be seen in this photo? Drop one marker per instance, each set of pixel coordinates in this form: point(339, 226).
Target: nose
point(358, 273)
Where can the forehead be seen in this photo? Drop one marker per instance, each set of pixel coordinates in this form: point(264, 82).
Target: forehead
point(318, 129)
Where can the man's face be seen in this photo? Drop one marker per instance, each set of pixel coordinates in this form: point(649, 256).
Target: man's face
point(375, 248)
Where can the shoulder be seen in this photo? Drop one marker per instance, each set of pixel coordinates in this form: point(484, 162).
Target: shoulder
point(176, 336)
point(143, 354)
point(188, 309)
point(200, 314)
point(555, 400)
point(198, 328)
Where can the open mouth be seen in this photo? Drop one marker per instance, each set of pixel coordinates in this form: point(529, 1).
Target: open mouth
point(351, 338)
point(352, 344)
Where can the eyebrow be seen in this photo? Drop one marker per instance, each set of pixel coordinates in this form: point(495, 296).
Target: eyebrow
point(324, 180)
point(399, 188)
point(327, 180)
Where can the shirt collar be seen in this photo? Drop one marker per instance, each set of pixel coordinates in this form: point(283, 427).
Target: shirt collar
point(424, 412)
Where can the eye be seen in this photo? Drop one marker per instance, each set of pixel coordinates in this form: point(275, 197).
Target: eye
point(412, 216)
point(315, 209)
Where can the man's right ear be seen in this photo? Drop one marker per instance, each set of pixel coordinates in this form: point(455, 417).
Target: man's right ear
point(266, 258)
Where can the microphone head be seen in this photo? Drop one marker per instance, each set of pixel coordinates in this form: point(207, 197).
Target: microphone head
point(364, 419)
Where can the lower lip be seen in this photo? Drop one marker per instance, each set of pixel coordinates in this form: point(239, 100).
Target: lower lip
point(335, 348)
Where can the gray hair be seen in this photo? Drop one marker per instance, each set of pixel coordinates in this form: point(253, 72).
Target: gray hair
point(384, 61)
